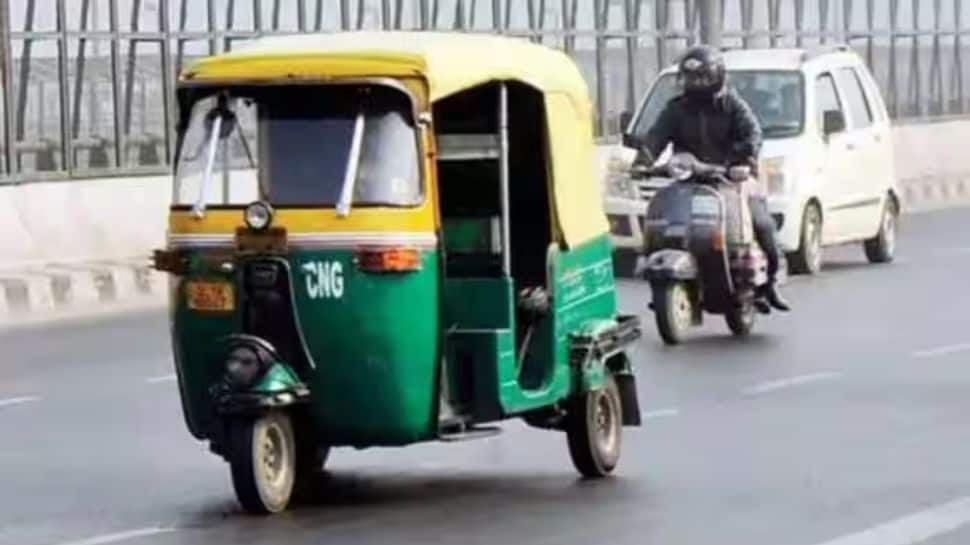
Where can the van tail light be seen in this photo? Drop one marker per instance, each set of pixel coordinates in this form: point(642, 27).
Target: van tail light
point(383, 260)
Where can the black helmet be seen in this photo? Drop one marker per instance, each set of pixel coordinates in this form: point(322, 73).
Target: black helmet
point(702, 71)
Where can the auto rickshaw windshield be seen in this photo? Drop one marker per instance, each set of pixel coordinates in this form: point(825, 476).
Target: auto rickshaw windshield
point(331, 146)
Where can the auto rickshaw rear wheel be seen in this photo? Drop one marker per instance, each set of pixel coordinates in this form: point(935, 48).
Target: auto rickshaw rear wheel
point(594, 430)
point(262, 458)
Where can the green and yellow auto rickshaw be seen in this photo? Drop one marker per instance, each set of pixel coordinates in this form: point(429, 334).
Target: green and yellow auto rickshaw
point(378, 239)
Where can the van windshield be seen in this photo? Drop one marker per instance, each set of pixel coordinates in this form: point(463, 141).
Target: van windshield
point(776, 97)
point(299, 146)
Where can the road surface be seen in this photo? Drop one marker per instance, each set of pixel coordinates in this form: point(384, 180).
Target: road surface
point(843, 423)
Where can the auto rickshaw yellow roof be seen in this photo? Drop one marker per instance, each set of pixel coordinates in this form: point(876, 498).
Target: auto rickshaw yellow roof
point(451, 62)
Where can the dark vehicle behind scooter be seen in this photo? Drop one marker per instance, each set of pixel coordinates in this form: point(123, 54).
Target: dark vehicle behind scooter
point(701, 254)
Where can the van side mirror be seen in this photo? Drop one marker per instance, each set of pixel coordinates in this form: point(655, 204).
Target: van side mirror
point(833, 121)
point(625, 118)
point(629, 140)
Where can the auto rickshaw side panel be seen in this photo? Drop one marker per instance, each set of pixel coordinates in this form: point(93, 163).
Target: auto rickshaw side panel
point(373, 337)
point(195, 336)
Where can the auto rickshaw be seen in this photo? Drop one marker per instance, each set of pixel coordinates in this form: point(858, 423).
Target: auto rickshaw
point(378, 239)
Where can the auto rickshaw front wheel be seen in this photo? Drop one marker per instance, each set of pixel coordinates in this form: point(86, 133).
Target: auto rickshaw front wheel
point(593, 430)
point(262, 458)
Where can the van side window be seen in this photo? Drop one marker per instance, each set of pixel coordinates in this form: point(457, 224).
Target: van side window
point(859, 108)
point(826, 98)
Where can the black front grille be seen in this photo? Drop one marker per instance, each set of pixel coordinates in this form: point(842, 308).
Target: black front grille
point(269, 312)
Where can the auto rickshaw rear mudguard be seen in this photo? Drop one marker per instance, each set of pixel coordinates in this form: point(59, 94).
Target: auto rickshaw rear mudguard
point(599, 350)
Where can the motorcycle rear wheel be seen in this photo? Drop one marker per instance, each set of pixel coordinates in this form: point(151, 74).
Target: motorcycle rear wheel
point(740, 320)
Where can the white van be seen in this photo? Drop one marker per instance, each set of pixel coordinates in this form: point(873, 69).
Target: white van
point(827, 157)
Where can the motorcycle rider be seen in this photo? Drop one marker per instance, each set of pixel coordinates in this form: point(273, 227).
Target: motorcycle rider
point(717, 126)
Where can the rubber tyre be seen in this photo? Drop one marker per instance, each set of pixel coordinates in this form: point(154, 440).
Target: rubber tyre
point(672, 310)
point(882, 247)
point(311, 459)
point(808, 258)
point(740, 320)
point(262, 458)
point(594, 430)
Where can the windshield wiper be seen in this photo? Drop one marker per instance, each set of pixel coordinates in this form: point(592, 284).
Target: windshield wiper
point(353, 164)
point(198, 210)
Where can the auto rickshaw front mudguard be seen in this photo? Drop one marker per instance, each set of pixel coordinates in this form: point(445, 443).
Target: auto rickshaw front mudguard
point(279, 388)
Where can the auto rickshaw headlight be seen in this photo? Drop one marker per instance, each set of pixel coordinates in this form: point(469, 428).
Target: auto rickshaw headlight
point(259, 215)
point(244, 366)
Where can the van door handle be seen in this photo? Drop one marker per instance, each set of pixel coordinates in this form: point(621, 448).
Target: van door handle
point(850, 147)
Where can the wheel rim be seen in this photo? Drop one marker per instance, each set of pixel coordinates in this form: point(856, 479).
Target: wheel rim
point(680, 307)
point(605, 419)
point(813, 242)
point(273, 461)
point(889, 232)
point(747, 315)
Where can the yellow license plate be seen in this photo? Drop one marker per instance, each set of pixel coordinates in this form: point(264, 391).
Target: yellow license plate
point(210, 296)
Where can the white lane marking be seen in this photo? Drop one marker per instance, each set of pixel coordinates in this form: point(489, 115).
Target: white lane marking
point(953, 251)
point(163, 378)
point(790, 382)
point(17, 400)
point(659, 413)
point(941, 350)
point(119, 536)
point(915, 528)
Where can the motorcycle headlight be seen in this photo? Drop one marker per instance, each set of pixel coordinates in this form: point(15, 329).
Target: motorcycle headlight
point(773, 172)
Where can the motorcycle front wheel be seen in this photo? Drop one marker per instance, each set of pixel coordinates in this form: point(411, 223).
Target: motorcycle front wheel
point(673, 310)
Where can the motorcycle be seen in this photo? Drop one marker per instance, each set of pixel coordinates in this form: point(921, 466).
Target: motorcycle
point(700, 250)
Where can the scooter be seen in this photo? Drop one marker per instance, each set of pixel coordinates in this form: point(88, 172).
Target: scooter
point(700, 250)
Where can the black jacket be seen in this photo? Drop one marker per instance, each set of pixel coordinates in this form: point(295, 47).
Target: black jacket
point(722, 131)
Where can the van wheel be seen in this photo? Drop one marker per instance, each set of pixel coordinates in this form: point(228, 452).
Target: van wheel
point(808, 258)
point(882, 247)
point(673, 311)
point(262, 457)
point(594, 430)
point(740, 319)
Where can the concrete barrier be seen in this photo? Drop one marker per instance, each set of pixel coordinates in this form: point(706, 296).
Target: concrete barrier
point(85, 244)
point(82, 244)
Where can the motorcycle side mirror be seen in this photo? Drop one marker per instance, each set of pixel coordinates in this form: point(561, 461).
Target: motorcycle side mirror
point(833, 121)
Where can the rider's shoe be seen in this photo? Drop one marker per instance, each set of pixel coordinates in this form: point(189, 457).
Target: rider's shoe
point(774, 297)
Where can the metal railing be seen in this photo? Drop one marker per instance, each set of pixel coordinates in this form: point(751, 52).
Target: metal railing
point(88, 84)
